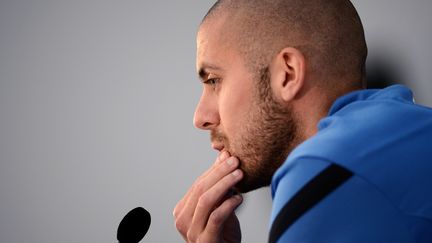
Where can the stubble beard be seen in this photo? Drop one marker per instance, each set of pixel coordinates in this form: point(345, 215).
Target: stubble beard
point(265, 139)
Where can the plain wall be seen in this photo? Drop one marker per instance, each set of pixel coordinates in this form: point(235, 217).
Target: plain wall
point(96, 106)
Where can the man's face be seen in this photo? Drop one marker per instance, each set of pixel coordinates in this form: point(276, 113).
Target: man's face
point(239, 110)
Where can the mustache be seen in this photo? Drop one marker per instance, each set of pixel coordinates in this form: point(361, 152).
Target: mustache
point(218, 137)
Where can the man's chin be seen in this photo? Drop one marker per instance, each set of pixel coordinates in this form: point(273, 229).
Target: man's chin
point(252, 179)
point(246, 185)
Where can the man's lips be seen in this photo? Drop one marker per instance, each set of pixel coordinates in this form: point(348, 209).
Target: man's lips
point(218, 146)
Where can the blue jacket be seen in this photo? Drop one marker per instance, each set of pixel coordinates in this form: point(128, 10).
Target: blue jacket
point(381, 144)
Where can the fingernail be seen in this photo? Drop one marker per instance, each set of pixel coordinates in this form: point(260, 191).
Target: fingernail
point(236, 173)
point(231, 161)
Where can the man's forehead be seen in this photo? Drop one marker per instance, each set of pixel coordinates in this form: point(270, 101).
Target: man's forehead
point(214, 55)
point(211, 59)
point(214, 46)
point(208, 50)
point(212, 30)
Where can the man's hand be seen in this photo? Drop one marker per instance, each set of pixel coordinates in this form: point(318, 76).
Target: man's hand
point(206, 213)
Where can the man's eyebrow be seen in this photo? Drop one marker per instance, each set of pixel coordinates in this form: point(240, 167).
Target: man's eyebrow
point(204, 70)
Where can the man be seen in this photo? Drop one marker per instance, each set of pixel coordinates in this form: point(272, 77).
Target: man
point(284, 102)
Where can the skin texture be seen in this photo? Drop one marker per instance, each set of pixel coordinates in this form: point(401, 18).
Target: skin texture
point(261, 139)
point(260, 100)
point(205, 214)
point(245, 118)
point(255, 128)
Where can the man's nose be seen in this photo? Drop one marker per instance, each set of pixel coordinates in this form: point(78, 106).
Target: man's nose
point(206, 114)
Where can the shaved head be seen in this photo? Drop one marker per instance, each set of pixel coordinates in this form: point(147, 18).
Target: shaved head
point(270, 71)
point(329, 33)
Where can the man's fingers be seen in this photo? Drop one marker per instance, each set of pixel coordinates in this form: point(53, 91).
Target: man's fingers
point(222, 157)
point(180, 205)
point(210, 200)
point(185, 209)
point(200, 187)
point(219, 216)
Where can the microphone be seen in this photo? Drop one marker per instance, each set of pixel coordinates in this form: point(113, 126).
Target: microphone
point(134, 226)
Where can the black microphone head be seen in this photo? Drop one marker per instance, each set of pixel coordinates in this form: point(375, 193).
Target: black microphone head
point(134, 226)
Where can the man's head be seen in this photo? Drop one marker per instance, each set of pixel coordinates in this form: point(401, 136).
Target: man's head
point(271, 69)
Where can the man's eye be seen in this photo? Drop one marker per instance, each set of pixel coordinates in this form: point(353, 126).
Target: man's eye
point(212, 81)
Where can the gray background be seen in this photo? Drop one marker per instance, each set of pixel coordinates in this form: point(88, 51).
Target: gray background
point(96, 106)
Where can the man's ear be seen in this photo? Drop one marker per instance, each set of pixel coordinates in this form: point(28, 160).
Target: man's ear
point(288, 71)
